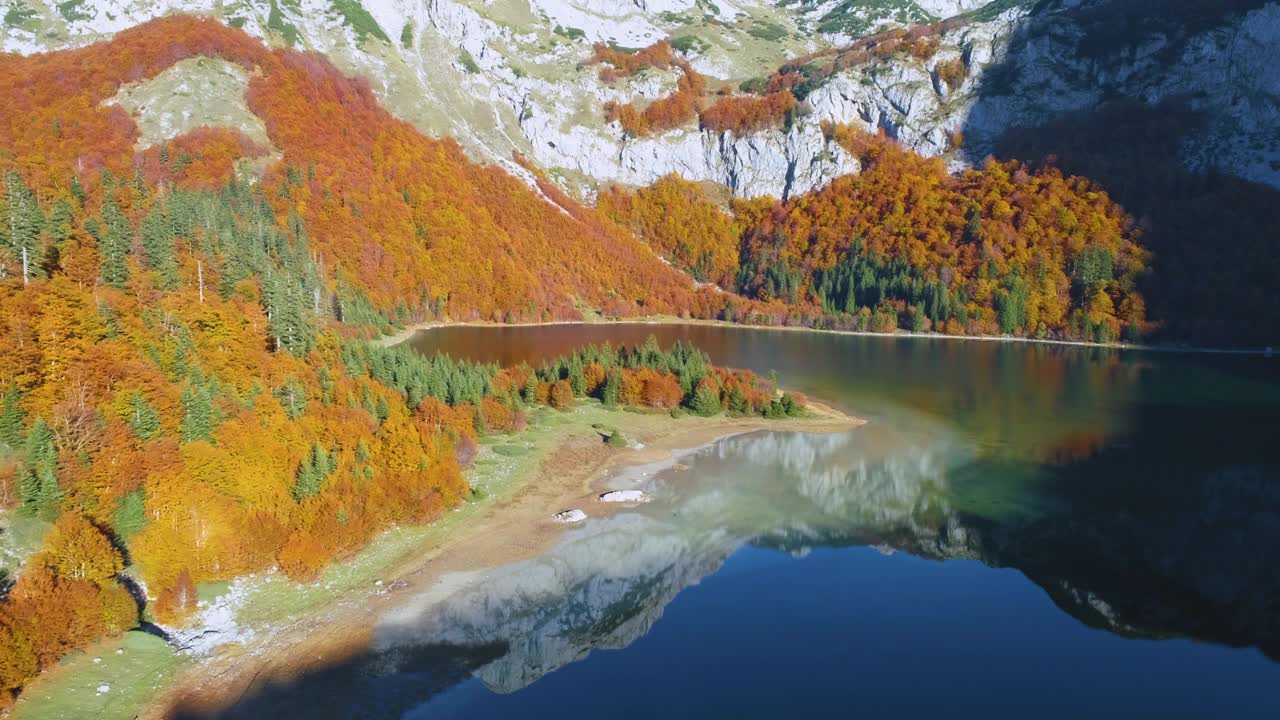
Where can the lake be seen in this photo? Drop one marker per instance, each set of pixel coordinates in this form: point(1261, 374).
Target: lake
point(1020, 530)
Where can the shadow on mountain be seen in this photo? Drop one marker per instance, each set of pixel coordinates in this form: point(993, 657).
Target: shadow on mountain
point(1216, 270)
point(370, 685)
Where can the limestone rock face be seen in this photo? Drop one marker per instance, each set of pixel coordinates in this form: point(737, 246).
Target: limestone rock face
point(505, 77)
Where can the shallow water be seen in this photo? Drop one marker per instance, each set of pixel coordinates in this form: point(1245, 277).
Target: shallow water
point(1020, 530)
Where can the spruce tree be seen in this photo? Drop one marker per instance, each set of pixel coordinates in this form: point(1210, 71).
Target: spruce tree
point(737, 401)
point(312, 472)
point(706, 401)
point(114, 245)
point(157, 248)
point(61, 221)
point(77, 190)
point(612, 386)
point(197, 413)
point(39, 494)
point(143, 418)
point(293, 397)
point(130, 516)
point(21, 223)
point(12, 418)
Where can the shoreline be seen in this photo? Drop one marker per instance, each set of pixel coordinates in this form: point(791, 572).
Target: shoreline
point(410, 330)
point(509, 527)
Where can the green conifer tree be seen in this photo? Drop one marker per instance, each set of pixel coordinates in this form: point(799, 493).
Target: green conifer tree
point(612, 386)
point(143, 418)
point(114, 244)
point(706, 401)
point(130, 516)
point(157, 248)
point(197, 413)
point(12, 418)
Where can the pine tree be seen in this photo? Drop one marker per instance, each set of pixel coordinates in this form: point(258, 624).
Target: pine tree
point(312, 472)
point(77, 190)
point(61, 221)
point(21, 223)
point(12, 418)
point(293, 397)
point(114, 245)
point(789, 406)
point(157, 248)
point(612, 386)
point(130, 516)
point(39, 494)
point(326, 385)
point(530, 393)
point(706, 400)
point(197, 413)
point(737, 401)
point(143, 418)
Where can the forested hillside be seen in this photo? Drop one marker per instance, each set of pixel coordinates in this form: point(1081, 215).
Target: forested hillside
point(903, 244)
point(185, 386)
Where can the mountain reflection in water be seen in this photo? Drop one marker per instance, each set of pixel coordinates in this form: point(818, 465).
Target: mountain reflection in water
point(1139, 492)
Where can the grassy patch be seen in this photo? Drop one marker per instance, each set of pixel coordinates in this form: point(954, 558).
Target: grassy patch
point(572, 33)
point(21, 16)
point(277, 23)
point(468, 62)
point(358, 19)
point(134, 666)
point(511, 450)
point(767, 31)
point(71, 12)
point(690, 44)
point(860, 17)
point(19, 537)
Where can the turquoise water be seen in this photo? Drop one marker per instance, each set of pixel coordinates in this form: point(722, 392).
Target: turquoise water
point(1019, 531)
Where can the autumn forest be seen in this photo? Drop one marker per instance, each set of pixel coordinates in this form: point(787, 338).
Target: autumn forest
point(189, 380)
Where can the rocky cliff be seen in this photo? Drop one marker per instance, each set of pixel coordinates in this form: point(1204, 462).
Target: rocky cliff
point(508, 76)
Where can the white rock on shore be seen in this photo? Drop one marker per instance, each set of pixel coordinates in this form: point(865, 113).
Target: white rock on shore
point(570, 516)
point(625, 496)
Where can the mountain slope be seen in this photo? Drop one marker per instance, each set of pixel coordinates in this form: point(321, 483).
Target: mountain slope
point(406, 222)
point(508, 76)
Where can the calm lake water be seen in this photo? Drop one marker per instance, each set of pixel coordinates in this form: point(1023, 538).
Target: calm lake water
point(1020, 531)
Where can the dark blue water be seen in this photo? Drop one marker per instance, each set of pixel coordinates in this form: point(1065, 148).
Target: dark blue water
point(853, 632)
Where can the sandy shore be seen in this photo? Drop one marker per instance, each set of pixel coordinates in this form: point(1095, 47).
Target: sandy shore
point(508, 529)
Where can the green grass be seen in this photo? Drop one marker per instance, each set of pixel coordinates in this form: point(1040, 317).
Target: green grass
point(277, 23)
point(767, 31)
point(572, 33)
point(144, 665)
point(358, 19)
point(861, 17)
point(687, 44)
point(21, 16)
point(19, 537)
point(468, 62)
point(70, 11)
